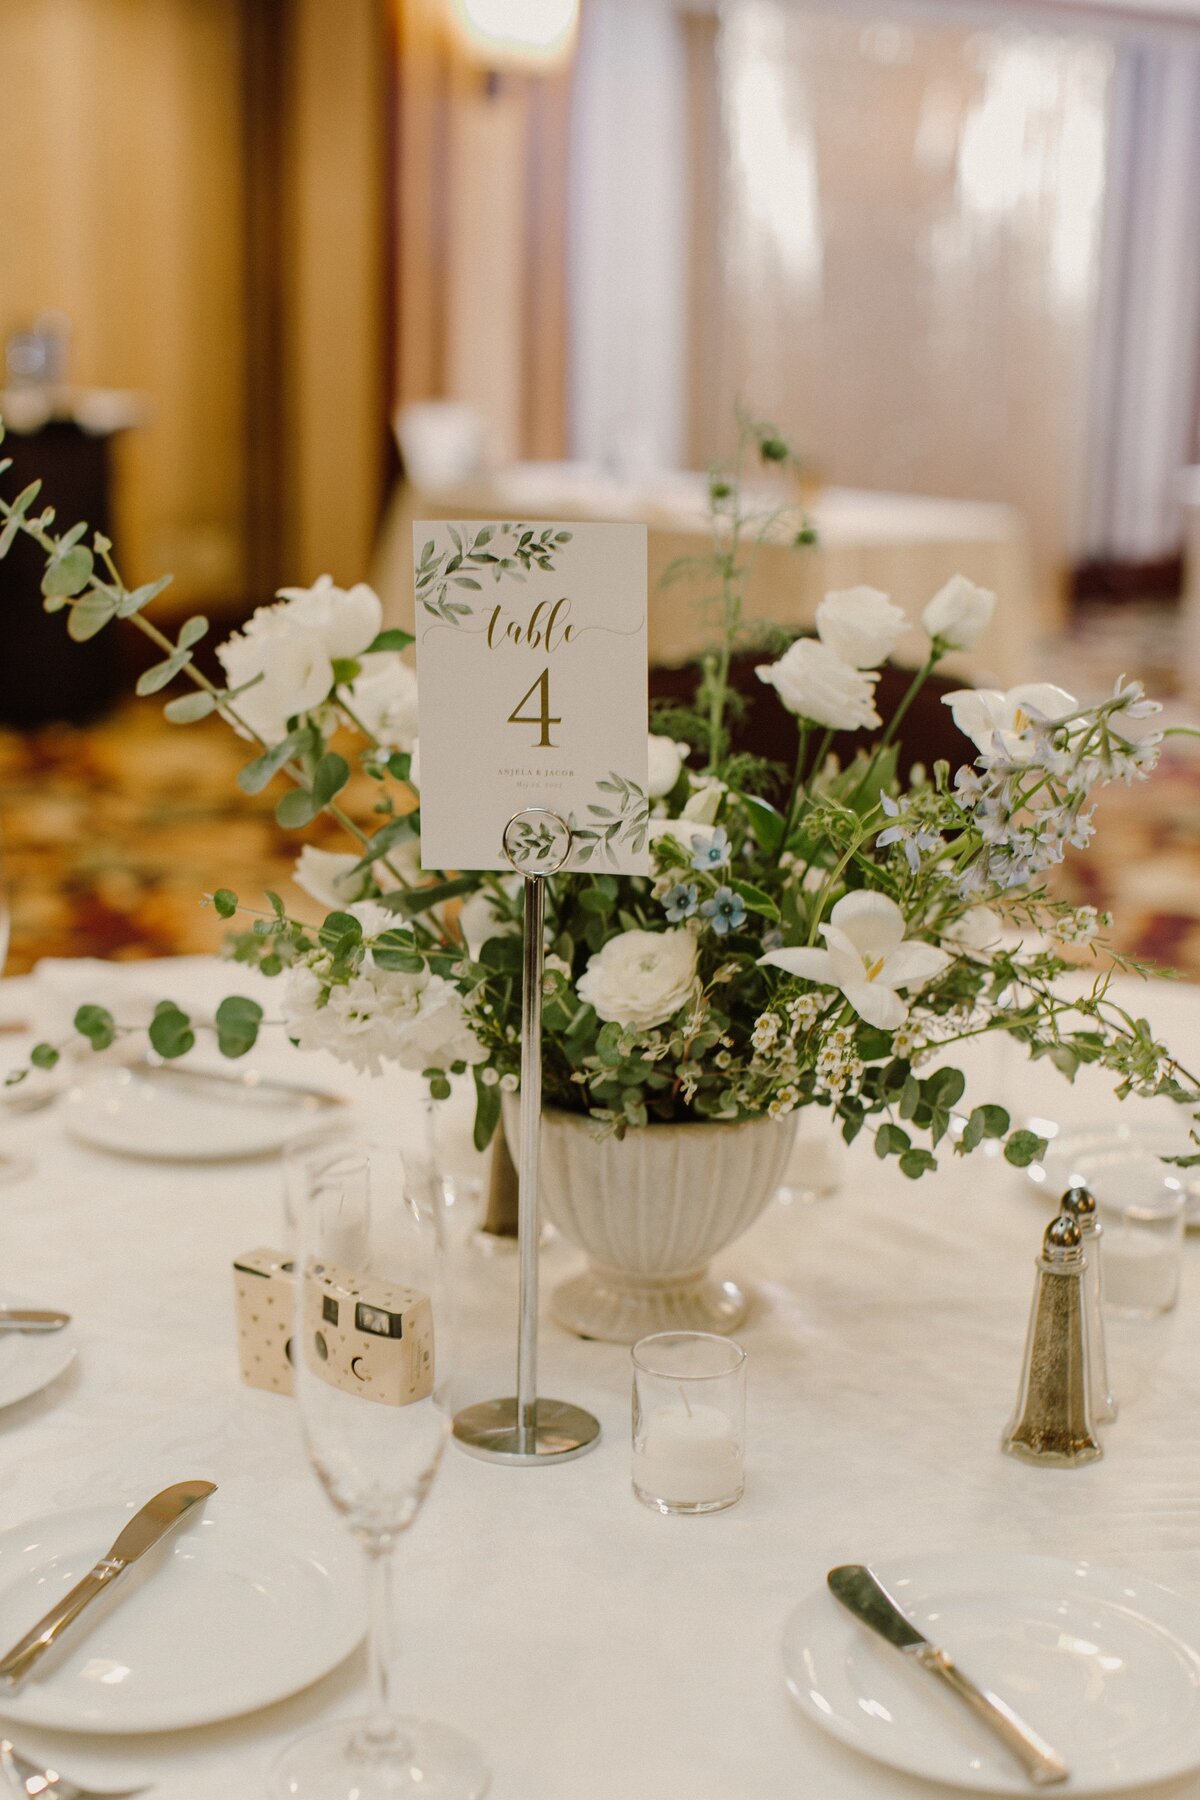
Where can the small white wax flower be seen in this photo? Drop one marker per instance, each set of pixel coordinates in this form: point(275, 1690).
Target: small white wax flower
point(867, 957)
point(815, 684)
point(959, 613)
point(860, 625)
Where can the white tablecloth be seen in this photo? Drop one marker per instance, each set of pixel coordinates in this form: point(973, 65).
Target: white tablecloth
point(590, 1646)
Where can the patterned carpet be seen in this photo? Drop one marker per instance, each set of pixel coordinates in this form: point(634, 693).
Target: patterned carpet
point(112, 834)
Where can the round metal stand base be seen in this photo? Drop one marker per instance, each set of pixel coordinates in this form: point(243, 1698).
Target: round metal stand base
point(489, 1430)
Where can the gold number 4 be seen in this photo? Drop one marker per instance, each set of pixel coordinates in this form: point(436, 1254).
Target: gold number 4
point(542, 718)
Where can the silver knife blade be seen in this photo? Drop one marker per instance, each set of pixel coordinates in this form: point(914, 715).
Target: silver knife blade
point(147, 1526)
point(866, 1597)
point(862, 1593)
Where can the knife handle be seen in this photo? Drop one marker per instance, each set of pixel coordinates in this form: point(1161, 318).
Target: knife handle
point(15, 1666)
point(1043, 1765)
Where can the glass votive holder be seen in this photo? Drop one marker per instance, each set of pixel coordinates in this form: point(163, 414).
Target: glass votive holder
point(689, 1421)
point(1142, 1252)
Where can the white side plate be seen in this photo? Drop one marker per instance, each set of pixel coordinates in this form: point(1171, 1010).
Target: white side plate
point(1120, 1160)
point(230, 1613)
point(166, 1121)
point(29, 1361)
point(1105, 1665)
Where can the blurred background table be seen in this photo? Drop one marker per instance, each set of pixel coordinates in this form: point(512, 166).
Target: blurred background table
point(905, 544)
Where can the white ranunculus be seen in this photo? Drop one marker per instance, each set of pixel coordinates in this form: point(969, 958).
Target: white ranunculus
point(814, 683)
point(977, 934)
point(326, 876)
point(1000, 723)
point(860, 625)
point(346, 619)
point(959, 613)
point(384, 700)
point(641, 978)
point(289, 666)
point(664, 760)
point(867, 957)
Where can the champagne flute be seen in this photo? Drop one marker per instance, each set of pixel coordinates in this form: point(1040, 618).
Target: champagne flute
point(372, 1356)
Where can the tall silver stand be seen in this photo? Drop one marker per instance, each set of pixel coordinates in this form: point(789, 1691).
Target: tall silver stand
point(523, 1428)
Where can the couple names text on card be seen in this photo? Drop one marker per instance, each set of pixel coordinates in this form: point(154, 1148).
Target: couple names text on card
point(531, 658)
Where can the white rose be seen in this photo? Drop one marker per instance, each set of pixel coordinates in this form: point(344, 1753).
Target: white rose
point(816, 684)
point(664, 760)
point(384, 700)
point(959, 613)
point(860, 625)
point(346, 619)
point(289, 666)
point(641, 978)
point(326, 876)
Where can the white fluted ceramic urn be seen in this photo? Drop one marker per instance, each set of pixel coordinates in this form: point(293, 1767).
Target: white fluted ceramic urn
point(650, 1210)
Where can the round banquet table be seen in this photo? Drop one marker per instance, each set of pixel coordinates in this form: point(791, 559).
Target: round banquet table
point(590, 1646)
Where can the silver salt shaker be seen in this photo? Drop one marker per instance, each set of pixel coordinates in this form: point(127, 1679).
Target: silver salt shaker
point(1080, 1202)
point(1053, 1424)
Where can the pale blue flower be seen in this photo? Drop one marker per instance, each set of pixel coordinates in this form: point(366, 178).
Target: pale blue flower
point(726, 911)
point(681, 901)
point(711, 853)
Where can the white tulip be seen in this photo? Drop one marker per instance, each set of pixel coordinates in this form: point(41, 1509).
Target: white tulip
point(860, 625)
point(641, 978)
point(867, 957)
point(999, 724)
point(959, 614)
point(815, 684)
point(664, 760)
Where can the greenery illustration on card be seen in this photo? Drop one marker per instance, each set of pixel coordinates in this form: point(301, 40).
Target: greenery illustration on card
point(531, 652)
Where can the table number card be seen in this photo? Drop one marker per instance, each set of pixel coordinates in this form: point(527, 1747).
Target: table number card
point(531, 657)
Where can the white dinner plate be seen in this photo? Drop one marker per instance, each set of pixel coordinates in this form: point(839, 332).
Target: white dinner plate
point(1103, 1664)
point(231, 1612)
point(30, 1360)
point(1120, 1160)
point(163, 1119)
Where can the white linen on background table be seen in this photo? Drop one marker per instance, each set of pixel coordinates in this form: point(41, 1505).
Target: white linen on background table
point(592, 1647)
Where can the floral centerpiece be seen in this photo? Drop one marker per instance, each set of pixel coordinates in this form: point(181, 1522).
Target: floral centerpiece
point(811, 938)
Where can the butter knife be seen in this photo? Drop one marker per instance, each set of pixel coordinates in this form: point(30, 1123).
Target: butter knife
point(144, 1530)
point(863, 1594)
point(14, 1318)
point(247, 1083)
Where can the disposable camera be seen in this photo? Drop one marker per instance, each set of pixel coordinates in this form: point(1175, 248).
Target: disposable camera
point(366, 1336)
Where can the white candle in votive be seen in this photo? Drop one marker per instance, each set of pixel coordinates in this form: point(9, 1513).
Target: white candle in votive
point(688, 1455)
point(1141, 1270)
